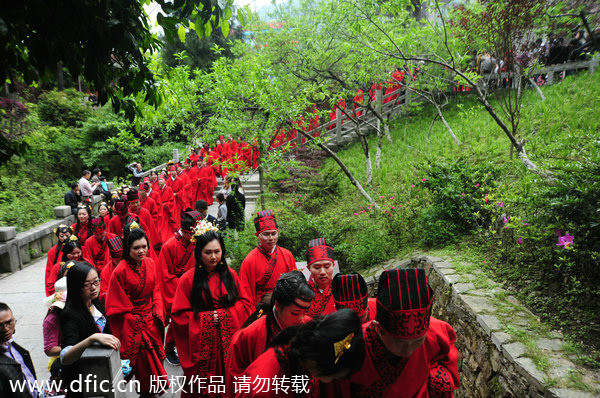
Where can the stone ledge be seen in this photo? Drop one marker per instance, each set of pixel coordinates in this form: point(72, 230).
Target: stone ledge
point(491, 361)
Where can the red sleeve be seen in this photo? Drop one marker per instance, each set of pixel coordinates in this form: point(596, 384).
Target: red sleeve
point(443, 375)
point(165, 274)
point(115, 227)
point(158, 308)
point(105, 275)
point(52, 278)
point(248, 275)
point(247, 344)
point(49, 265)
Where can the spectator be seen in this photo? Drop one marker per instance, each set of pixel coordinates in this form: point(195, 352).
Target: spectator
point(73, 197)
point(202, 207)
point(87, 189)
point(222, 212)
point(236, 205)
point(103, 190)
point(96, 173)
point(138, 174)
point(15, 361)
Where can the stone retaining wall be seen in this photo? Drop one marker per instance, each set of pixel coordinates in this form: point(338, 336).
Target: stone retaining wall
point(504, 349)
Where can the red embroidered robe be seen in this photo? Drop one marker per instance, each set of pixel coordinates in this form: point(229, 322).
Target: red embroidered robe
point(175, 258)
point(54, 255)
point(431, 370)
point(260, 270)
point(82, 235)
point(97, 253)
point(201, 343)
point(105, 275)
point(247, 345)
point(153, 208)
point(147, 224)
point(323, 303)
point(135, 312)
point(167, 225)
point(180, 194)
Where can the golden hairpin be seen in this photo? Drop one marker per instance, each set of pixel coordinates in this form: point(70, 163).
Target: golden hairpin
point(341, 346)
point(70, 264)
point(133, 226)
point(260, 312)
point(73, 238)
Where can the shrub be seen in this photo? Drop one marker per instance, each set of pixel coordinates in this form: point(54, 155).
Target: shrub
point(63, 108)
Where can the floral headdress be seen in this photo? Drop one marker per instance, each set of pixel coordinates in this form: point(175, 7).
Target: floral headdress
point(201, 228)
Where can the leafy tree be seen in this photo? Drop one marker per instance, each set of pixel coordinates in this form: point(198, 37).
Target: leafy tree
point(105, 42)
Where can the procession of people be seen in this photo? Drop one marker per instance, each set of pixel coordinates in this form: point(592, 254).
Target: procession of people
point(149, 275)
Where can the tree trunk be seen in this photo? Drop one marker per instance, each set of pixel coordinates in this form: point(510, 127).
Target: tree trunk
point(60, 77)
point(368, 164)
point(386, 131)
point(378, 153)
point(346, 171)
point(537, 88)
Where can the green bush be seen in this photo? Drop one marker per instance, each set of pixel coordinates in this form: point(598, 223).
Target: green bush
point(63, 108)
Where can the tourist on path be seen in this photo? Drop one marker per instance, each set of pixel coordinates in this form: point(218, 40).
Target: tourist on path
point(209, 307)
point(83, 321)
point(15, 361)
point(135, 309)
point(409, 353)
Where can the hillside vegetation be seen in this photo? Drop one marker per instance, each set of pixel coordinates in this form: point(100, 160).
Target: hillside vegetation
point(474, 202)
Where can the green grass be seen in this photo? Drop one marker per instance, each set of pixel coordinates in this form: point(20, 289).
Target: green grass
point(560, 132)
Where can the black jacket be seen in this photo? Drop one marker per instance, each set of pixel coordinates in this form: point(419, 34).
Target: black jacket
point(72, 199)
point(11, 370)
point(76, 327)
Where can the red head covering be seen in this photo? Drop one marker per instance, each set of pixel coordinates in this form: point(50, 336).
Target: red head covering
point(143, 187)
point(172, 168)
point(115, 247)
point(350, 291)
point(120, 208)
point(318, 250)
point(404, 301)
point(264, 221)
point(146, 179)
point(98, 225)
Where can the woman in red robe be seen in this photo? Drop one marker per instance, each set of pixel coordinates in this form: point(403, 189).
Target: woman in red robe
point(167, 225)
point(115, 247)
point(96, 250)
point(63, 233)
point(208, 308)
point(82, 227)
point(289, 302)
point(135, 309)
point(320, 263)
point(264, 264)
point(71, 252)
point(313, 353)
point(177, 184)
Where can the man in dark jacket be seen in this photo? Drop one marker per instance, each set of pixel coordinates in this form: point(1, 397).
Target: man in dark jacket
point(15, 362)
point(73, 197)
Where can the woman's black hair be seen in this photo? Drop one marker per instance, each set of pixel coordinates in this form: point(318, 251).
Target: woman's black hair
point(89, 224)
point(201, 299)
point(130, 236)
point(313, 344)
point(76, 277)
point(289, 287)
point(69, 246)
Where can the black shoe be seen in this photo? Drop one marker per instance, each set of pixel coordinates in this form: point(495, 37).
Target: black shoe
point(172, 357)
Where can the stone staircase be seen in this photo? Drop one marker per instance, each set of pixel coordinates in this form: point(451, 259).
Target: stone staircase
point(251, 186)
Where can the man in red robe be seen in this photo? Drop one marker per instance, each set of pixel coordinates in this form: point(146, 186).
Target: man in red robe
point(147, 223)
point(167, 225)
point(320, 262)
point(117, 221)
point(408, 352)
point(148, 202)
point(115, 248)
point(175, 258)
point(177, 185)
point(96, 250)
point(264, 264)
point(350, 291)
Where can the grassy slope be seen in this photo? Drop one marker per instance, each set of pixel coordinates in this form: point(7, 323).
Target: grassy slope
point(560, 130)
